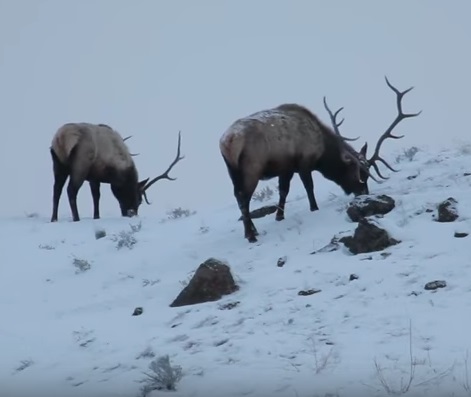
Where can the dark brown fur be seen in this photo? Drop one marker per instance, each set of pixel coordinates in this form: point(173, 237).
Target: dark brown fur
point(280, 142)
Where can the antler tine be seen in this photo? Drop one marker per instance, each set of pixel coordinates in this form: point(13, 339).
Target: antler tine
point(335, 124)
point(165, 175)
point(388, 133)
point(125, 139)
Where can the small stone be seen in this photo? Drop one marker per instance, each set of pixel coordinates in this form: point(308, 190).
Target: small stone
point(281, 261)
point(433, 285)
point(447, 211)
point(138, 311)
point(460, 234)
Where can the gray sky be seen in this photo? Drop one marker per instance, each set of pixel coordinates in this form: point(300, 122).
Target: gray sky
point(151, 68)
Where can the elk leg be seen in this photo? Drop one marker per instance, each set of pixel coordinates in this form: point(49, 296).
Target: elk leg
point(72, 190)
point(250, 231)
point(243, 196)
point(283, 186)
point(61, 174)
point(95, 189)
point(306, 179)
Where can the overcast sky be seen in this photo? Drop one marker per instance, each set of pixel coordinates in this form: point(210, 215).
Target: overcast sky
point(151, 68)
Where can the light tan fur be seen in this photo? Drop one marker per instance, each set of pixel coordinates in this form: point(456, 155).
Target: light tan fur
point(97, 146)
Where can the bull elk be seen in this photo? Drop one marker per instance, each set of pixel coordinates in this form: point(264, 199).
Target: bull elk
point(289, 139)
point(98, 154)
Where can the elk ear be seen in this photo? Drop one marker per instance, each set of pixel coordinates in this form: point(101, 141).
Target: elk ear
point(142, 183)
point(364, 149)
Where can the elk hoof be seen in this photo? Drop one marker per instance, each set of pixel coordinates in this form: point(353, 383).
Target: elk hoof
point(280, 217)
point(54, 220)
point(316, 208)
point(252, 239)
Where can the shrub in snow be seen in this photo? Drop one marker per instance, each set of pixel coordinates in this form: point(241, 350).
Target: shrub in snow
point(407, 154)
point(81, 265)
point(179, 212)
point(126, 238)
point(164, 376)
point(262, 195)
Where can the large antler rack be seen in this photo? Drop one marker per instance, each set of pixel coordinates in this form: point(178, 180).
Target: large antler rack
point(165, 175)
point(388, 133)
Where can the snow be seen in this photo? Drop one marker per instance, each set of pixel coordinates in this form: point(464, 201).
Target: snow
point(238, 126)
point(69, 330)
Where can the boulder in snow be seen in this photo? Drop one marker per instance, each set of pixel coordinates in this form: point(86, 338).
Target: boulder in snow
point(368, 237)
point(211, 281)
point(447, 210)
point(368, 205)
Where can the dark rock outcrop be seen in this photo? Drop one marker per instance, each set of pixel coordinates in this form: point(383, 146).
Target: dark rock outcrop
point(368, 237)
point(211, 281)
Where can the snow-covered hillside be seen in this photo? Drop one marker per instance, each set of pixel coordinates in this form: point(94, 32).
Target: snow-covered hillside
point(67, 298)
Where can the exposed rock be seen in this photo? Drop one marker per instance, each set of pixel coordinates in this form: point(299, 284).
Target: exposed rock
point(368, 205)
point(368, 237)
point(447, 210)
point(211, 281)
point(262, 211)
point(281, 261)
point(433, 285)
point(460, 234)
point(308, 292)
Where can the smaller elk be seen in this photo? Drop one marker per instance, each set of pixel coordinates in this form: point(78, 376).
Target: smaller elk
point(280, 142)
point(98, 154)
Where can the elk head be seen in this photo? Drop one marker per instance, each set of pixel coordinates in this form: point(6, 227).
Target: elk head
point(366, 164)
point(357, 169)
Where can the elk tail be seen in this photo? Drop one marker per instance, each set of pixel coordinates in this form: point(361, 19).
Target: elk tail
point(235, 174)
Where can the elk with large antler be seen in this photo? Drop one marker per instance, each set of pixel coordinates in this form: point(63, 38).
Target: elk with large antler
point(97, 154)
point(372, 161)
point(280, 142)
